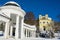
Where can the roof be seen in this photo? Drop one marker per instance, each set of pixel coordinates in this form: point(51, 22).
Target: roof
point(11, 3)
point(44, 18)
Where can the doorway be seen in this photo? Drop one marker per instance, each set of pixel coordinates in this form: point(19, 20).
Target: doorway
point(44, 28)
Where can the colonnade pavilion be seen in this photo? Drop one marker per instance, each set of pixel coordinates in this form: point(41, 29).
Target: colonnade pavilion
point(12, 19)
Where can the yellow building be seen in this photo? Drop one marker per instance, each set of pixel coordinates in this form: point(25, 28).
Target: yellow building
point(45, 23)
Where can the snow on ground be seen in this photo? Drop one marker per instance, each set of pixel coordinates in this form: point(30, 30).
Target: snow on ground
point(56, 38)
point(1, 38)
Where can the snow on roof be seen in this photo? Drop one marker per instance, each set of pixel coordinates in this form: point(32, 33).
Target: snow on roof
point(49, 18)
point(12, 3)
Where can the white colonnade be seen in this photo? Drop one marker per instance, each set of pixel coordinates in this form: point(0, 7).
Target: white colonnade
point(30, 33)
point(19, 33)
point(19, 27)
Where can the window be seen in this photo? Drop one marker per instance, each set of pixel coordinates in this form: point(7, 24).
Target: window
point(47, 22)
point(40, 22)
point(43, 22)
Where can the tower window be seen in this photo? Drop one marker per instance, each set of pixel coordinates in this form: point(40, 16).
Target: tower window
point(43, 22)
point(47, 22)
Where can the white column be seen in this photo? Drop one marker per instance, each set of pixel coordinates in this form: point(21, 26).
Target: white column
point(11, 31)
point(17, 28)
point(6, 34)
point(30, 33)
point(34, 33)
point(22, 28)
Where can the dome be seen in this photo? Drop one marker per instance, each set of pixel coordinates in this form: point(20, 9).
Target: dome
point(12, 3)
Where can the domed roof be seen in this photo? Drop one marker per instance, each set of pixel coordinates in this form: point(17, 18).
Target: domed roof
point(12, 3)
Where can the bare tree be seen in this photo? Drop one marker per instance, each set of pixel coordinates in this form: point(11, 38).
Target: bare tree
point(58, 16)
point(30, 18)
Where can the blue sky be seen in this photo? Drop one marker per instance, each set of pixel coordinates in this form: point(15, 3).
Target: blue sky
point(50, 7)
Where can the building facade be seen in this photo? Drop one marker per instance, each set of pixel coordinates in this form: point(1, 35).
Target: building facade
point(45, 23)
